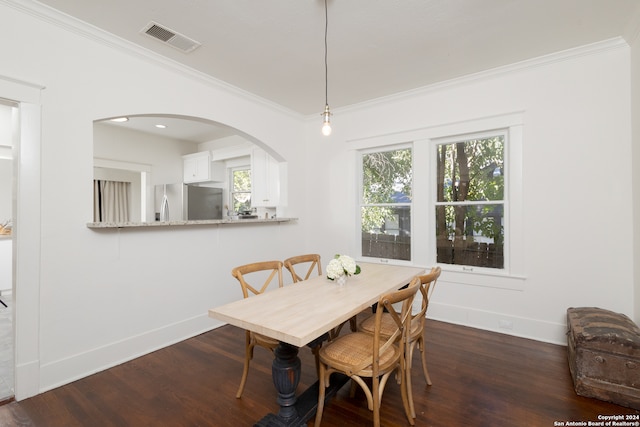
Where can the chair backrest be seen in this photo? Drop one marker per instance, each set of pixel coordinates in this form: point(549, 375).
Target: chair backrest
point(270, 269)
point(428, 284)
point(402, 322)
point(312, 262)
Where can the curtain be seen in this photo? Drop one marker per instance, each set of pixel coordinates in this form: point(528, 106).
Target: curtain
point(110, 201)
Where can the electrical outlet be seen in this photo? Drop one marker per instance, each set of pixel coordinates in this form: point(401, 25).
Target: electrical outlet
point(506, 324)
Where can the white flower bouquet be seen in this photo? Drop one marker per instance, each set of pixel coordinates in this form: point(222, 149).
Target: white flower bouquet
point(342, 265)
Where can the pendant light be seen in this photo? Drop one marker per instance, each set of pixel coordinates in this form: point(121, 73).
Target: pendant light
point(326, 125)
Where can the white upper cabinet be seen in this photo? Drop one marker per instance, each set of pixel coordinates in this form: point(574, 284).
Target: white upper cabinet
point(198, 167)
point(265, 179)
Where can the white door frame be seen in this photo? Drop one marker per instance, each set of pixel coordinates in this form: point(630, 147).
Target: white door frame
point(26, 233)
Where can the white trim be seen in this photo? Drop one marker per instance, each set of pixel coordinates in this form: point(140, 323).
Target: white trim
point(119, 164)
point(27, 250)
point(423, 139)
point(514, 267)
point(564, 55)
point(505, 202)
point(551, 332)
point(27, 246)
point(230, 153)
point(13, 89)
point(359, 203)
point(63, 371)
point(460, 127)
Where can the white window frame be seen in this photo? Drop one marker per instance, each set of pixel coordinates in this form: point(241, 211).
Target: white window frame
point(423, 246)
point(360, 203)
point(504, 201)
point(230, 187)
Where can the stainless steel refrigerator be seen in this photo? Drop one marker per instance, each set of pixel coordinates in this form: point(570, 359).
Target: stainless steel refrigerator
point(183, 202)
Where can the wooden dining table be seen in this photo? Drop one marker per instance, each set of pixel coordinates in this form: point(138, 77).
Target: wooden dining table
point(302, 314)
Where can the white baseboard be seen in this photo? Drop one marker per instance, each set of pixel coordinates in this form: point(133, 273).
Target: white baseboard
point(64, 371)
point(554, 333)
point(27, 380)
point(34, 379)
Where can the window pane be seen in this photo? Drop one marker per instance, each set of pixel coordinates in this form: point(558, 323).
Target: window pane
point(470, 235)
point(241, 202)
point(387, 177)
point(241, 190)
point(386, 232)
point(471, 170)
point(242, 180)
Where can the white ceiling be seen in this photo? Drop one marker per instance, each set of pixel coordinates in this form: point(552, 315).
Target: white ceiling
point(179, 128)
point(275, 48)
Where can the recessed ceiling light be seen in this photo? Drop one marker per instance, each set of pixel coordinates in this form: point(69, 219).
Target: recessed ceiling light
point(161, 126)
point(120, 119)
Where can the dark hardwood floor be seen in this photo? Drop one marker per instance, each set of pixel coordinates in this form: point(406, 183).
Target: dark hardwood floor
point(479, 379)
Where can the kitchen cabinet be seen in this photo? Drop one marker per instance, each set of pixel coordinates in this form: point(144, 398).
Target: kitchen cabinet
point(198, 167)
point(265, 179)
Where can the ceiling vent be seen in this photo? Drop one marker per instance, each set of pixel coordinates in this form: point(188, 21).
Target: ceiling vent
point(170, 37)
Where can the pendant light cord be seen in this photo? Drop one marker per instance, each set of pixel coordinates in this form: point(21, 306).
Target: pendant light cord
point(326, 68)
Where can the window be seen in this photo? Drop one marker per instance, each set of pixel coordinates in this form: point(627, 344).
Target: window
point(484, 244)
point(470, 200)
point(385, 204)
point(240, 189)
point(111, 201)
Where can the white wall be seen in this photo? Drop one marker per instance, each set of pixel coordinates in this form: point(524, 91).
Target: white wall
point(102, 297)
point(108, 296)
point(163, 155)
point(578, 244)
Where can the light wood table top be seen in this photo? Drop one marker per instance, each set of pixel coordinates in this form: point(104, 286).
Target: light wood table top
point(301, 312)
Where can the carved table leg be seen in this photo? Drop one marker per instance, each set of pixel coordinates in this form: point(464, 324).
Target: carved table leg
point(286, 376)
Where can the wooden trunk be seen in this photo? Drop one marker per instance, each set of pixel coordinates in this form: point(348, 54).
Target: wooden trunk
point(604, 355)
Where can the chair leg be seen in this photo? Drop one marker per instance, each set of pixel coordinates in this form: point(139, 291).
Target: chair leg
point(407, 395)
point(423, 355)
point(375, 393)
point(248, 355)
point(407, 377)
point(316, 350)
point(354, 324)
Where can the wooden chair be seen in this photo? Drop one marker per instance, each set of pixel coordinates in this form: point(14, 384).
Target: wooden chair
point(416, 330)
point(361, 355)
point(272, 270)
point(309, 263)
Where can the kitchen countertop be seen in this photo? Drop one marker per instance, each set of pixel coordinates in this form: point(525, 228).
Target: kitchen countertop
point(102, 225)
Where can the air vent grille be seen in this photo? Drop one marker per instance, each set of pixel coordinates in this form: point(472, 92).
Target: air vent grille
point(170, 37)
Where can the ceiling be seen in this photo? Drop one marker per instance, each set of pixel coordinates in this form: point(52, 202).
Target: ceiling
point(180, 128)
point(275, 48)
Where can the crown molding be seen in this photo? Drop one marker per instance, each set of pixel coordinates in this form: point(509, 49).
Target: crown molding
point(565, 55)
point(83, 29)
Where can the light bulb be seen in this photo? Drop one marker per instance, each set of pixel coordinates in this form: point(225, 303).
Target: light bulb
point(326, 129)
point(326, 126)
